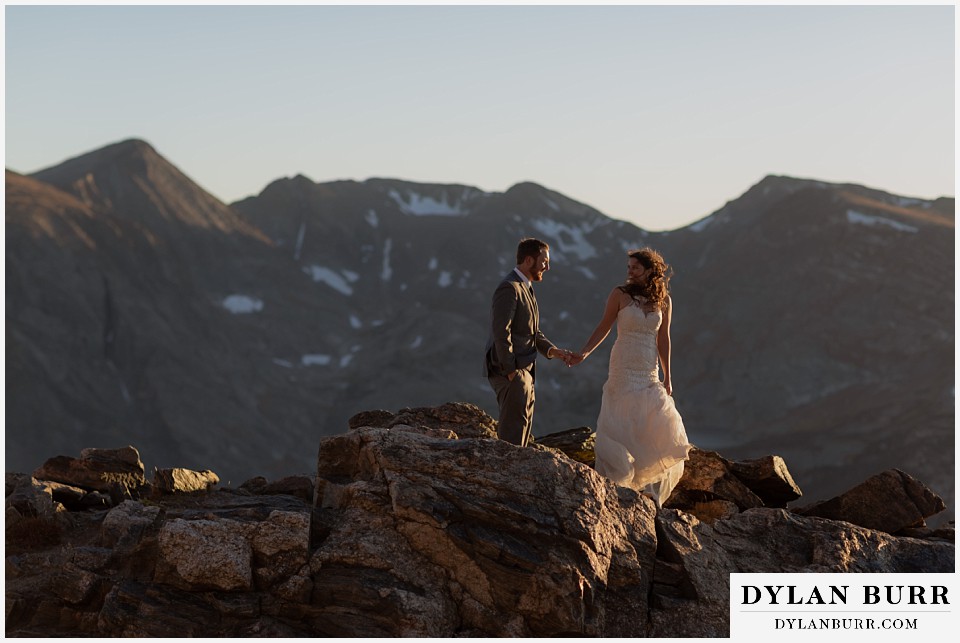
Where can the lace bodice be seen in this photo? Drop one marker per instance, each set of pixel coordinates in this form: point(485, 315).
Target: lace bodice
point(633, 359)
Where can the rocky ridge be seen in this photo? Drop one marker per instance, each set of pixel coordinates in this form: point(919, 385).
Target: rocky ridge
point(419, 523)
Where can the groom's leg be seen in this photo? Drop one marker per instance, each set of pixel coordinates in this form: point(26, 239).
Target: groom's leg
point(516, 400)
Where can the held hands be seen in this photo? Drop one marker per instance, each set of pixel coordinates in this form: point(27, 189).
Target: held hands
point(569, 357)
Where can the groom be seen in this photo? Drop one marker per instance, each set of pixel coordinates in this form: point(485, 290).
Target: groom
point(515, 339)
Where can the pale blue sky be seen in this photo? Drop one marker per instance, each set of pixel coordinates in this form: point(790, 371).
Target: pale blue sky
point(657, 115)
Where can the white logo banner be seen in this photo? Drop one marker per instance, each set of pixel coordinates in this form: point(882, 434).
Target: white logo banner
point(856, 607)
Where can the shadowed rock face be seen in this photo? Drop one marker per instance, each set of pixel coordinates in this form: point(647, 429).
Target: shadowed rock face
point(890, 501)
point(410, 531)
point(525, 533)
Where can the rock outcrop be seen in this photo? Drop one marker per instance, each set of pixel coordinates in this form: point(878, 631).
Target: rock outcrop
point(414, 530)
point(113, 471)
point(180, 480)
point(890, 501)
point(577, 443)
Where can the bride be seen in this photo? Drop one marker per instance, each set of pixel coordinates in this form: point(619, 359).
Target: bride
point(641, 442)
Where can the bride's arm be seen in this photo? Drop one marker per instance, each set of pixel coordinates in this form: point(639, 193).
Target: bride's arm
point(606, 323)
point(663, 345)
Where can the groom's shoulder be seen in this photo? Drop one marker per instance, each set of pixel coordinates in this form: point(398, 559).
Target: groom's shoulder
point(510, 280)
point(510, 283)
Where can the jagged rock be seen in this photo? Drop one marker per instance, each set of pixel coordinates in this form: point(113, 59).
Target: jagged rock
point(889, 501)
point(205, 554)
point(280, 546)
point(255, 485)
point(228, 554)
point(297, 486)
point(126, 524)
point(33, 498)
point(418, 533)
point(707, 476)
point(95, 500)
point(73, 584)
point(576, 443)
point(92, 559)
point(769, 478)
point(179, 480)
point(97, 470)
point(945, 532)
point(466, 420)
point(70, 497)
point(12, 480)
point(772, 541)
point(713, 510)
point(12, 516)
point(377, 418)
point(437, 534)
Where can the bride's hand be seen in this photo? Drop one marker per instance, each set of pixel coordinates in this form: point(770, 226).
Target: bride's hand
point(668, 387)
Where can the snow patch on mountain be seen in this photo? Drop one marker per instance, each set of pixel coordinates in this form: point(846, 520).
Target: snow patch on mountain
point(433, 263)
point(907, 202)
point(300, 235)
point(387, 271)
point(345, 360)
point(372, 218)
point(586, 272)
point(337, 281)
point(445, 279)
point(415, 344)
point(283, 362)
point(700, 225)
point(635, 245)
point(872, 220)
point(567, 239)
point(315, 359)
point(242, 304)
point(355, 322)
point(419, 205)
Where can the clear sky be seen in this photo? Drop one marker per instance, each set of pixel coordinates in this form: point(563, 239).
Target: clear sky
point(653, 114)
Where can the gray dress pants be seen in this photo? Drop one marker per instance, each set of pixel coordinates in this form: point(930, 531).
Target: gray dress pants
point(516, 407)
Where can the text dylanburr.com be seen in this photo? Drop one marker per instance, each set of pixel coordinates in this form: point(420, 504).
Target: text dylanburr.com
point(852, 606)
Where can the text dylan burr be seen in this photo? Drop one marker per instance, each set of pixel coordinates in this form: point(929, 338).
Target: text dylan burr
point(834, 595)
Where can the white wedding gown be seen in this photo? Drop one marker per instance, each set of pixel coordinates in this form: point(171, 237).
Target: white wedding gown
point(641, 442)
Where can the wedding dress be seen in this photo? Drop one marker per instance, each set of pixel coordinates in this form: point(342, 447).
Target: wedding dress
point(641, 442)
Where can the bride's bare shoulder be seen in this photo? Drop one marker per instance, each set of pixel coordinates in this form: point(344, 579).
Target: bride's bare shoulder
point(618, 295)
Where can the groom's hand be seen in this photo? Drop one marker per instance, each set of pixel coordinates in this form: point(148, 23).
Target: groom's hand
point(575, 358)
point(561, 353)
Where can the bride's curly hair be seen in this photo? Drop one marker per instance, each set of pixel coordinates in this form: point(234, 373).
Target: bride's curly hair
point(655, 286)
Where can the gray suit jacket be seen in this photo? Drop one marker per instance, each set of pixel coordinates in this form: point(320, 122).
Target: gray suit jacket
point(515, 337)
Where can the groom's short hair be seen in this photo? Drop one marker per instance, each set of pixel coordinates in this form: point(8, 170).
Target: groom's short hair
point(530, 247)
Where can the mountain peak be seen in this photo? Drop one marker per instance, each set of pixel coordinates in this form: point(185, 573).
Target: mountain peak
point(527, 188)
point(133, 145)
point(133, 155)
point(132, 178)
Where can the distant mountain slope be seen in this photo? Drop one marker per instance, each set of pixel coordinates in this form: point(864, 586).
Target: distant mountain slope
point(824, 321)
point(813, 320)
